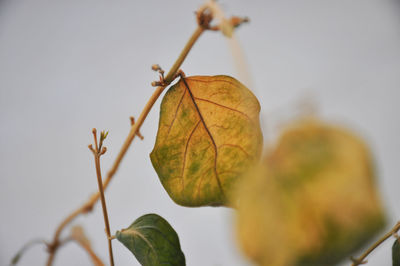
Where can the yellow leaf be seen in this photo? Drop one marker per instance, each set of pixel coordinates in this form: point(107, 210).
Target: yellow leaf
point(208, 136)
point(226, 28)
point(313, 200)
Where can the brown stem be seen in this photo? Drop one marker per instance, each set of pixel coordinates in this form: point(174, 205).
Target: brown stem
point(88, 206)
point(204, 17)
point(361, 259)
point(103, 205)
point(97, 152)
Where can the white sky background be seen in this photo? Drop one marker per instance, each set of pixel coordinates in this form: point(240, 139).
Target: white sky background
point(69, 66)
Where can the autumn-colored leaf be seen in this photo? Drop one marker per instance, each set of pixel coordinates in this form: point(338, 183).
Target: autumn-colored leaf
point(312, 201)
point(153, 241)
point(208, 136)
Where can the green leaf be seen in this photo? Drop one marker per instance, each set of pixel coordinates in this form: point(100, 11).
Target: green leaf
point(396, 253)
point(153, 241)
point(208, 136)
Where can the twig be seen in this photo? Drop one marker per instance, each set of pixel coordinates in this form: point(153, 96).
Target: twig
point(88, 206)
point(138, 132)
point(227, 26)
point(361, 259)
point(204, 18)
point(97, 151)
point(24, 248)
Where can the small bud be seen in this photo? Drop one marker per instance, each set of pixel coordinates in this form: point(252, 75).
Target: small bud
point(140, 135)
point(91, 147)
point(237, 21)
point(103, 135)
point(94, 131)
point(155, 67)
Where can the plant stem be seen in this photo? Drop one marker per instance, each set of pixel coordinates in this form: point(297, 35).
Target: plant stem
point(204, 17)
point(24, 248)
point(175, 67)
point(88, 206)
point(105, 214)
point(97, 155)
point(361, 259)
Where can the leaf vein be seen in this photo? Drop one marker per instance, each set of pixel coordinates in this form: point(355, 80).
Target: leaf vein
point(159, 231)
point(209, 134)
point(224, 106)
point(238, 147)
point(185, 154)
point(175, 115)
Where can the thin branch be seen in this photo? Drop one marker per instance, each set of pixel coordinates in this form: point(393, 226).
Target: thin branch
point(88, 206)
point(361, 259)
point(204, 18)
point(24, 248)
point(97, 152)
point(137, 133)
point(227, 26)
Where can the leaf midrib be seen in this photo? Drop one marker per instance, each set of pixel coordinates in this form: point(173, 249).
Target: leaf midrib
point(208, 132)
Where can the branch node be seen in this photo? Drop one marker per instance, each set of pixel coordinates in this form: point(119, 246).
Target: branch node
point(161, 81)
point(51, 247)
point(98, 152)
point(361, 259)
point(204, 17)
point(88, 206)
point(180, 73)
point(237, 21)
point(155, 67)
point(357, 262)
point(90, 146)
point(98, 149)
point(138, 132)
point(156, 84)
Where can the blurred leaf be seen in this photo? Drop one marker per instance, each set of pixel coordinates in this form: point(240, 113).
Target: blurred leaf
point(313, 200)
point(396, 253)
point(153, 241)
point(78, 234)
point(226, 28)
point(208, 136)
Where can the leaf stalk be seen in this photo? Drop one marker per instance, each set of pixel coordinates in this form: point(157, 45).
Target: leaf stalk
point(361, 259)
